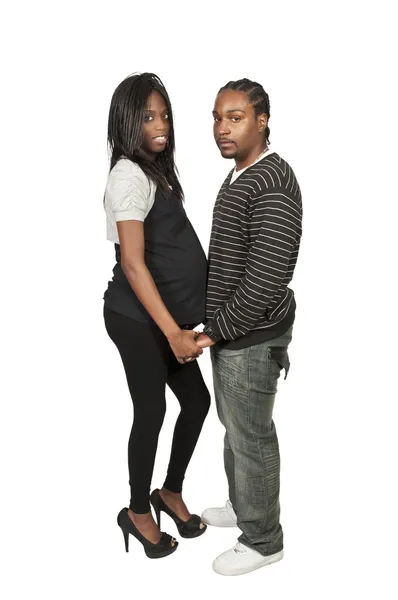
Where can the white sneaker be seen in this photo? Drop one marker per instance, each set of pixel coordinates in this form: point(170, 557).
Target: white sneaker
point(240, 560)
point(220, 517)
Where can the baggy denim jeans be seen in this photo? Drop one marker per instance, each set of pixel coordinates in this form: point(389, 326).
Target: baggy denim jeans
point(245, 385)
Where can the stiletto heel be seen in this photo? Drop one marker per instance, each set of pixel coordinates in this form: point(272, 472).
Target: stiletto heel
point(186, 529)
point(159, 550)
point(156, 501)
point(126, 539)
point(157, 509)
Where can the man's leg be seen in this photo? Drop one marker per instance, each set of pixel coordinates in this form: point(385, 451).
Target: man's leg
point(219, 375)
point(245, 385)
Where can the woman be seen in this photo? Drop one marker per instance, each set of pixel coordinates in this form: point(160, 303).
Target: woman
point(155, 299)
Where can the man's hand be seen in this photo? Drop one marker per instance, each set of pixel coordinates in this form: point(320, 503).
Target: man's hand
point(204, 341)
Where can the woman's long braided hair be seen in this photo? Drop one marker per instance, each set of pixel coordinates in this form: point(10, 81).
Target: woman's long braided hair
point(125, 129)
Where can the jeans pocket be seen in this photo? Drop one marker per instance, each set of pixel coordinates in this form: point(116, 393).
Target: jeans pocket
point(278, 359)
point(231, 366)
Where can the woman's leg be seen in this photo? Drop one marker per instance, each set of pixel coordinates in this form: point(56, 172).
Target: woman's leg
point(187, 384)
point(144, 352)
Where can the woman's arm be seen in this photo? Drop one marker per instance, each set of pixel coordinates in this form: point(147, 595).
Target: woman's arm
point(131, 237)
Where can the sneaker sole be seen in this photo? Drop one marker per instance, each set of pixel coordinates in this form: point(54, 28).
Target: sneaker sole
point(217, 524)
point(243, 571)
point(208, 522)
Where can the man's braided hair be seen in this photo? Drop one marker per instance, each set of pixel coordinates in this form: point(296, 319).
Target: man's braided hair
point(258, 97)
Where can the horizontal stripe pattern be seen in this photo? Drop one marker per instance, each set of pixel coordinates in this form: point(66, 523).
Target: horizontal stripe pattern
point(254, 245)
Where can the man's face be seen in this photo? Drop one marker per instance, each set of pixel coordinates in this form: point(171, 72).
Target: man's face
point(237, 132)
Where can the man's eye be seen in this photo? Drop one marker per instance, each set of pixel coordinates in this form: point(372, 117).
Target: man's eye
point(235, 119)
point(148, 118)
point(217, 119)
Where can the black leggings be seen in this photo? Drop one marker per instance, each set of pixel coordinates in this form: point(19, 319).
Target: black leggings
point(150, 364)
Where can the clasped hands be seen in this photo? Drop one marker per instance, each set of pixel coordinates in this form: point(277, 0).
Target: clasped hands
point(187, 345)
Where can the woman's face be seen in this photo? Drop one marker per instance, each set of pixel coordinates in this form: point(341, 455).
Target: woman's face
point(156, 125)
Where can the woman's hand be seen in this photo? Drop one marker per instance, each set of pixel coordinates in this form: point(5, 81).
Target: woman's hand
point(183, 345)
point(204, 341)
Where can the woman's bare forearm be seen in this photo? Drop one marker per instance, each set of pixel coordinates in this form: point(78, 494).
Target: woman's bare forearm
point(147, 293)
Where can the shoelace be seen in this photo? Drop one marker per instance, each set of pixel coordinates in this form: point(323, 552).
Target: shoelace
point(239, 549)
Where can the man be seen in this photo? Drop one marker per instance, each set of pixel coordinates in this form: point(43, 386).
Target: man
point(250, 312)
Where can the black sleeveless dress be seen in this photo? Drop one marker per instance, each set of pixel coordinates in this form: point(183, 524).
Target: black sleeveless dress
point(176, 260)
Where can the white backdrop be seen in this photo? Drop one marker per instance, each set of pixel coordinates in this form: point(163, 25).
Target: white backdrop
point(66, 413)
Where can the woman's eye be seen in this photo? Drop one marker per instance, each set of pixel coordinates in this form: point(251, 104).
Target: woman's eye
point(148, 118)
point(166, 116)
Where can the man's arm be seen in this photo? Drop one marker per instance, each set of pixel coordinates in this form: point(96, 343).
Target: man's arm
point(276, 219)
point(204, 341)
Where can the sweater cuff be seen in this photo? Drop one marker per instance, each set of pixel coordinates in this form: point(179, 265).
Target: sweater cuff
point(215, 336)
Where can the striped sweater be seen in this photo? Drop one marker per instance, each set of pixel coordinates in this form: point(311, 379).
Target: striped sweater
point(253, 251)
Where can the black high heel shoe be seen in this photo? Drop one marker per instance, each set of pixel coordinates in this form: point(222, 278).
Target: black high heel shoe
point(186, 529)
point(159, 550)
